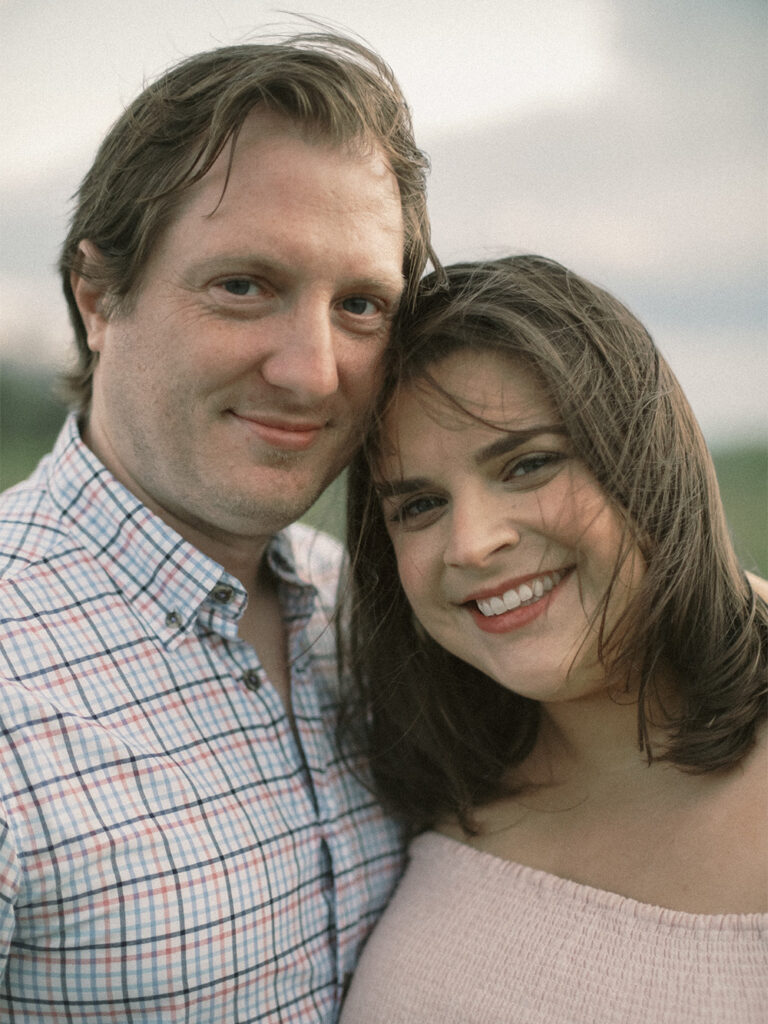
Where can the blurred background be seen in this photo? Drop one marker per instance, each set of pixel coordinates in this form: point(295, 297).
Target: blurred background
point(626, 139)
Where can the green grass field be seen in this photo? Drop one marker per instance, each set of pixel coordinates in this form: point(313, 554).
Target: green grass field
point(30, 418)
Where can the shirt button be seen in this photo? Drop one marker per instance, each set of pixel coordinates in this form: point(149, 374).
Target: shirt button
point(223, 594)
point(172, 620)
point(251, 679)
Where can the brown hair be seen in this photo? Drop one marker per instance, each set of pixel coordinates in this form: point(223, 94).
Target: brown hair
point(441, 734)
point(170, 136)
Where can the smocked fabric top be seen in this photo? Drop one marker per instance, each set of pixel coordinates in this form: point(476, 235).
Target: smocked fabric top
point(469, 937)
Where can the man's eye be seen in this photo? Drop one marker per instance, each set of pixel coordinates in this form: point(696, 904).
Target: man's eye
point(359, 306)
point(240, 286)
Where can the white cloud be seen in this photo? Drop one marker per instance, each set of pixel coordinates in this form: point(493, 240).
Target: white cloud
point(69, 68)
point(626, 139)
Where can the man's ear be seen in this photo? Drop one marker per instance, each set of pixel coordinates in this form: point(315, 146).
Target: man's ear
point(89, 294)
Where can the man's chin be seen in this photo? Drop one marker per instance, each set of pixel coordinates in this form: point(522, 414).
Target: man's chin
point(275, 509)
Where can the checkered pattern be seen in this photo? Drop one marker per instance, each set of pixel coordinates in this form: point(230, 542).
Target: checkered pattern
point(168, 850)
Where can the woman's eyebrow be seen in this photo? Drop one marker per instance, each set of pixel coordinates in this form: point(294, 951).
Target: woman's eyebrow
point(396, 488)
point(509, 440)
point(512, 439)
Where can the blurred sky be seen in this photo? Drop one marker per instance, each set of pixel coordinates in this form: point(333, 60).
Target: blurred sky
point(625, 138)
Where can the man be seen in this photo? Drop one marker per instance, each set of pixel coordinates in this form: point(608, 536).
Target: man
point(180, 840)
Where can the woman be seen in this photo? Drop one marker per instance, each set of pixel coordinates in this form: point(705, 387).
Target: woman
point(562, 671)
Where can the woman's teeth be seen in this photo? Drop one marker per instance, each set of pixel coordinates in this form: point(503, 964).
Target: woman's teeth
point(526, 593)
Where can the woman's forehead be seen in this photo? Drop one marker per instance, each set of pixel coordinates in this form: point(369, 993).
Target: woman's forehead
point(465, 399)
point(486, 385)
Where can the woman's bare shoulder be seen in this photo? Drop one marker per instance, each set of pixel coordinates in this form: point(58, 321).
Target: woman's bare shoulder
point(759, 585)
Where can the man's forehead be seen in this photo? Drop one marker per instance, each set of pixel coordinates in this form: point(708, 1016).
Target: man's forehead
point(262, 121)
point(263, 128)
point(269, 201)
point(264, 133)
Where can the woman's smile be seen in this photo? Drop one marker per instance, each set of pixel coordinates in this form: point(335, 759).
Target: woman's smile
point(517, 605)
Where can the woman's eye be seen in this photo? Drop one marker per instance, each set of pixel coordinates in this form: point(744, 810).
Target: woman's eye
point(528, 464)
point(416, 511)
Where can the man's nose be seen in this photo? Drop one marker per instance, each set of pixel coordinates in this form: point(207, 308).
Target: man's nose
point(479, 529)
point(303, 359)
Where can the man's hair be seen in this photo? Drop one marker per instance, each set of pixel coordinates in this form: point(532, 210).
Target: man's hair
point(442, 735)
point(332, 87)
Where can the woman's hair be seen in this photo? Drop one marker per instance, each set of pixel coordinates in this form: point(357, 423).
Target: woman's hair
point(332, 87)
point(442, 736)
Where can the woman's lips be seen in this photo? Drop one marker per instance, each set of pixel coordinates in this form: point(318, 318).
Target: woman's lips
point(513, 607)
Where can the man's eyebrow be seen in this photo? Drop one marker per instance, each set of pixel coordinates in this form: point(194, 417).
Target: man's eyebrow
point(391, 289)
point(230, 262)
point(512, 439)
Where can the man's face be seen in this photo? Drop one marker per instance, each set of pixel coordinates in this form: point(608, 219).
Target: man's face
point(233, 390)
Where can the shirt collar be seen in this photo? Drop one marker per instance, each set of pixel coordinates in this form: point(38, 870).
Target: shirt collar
point(165, 578)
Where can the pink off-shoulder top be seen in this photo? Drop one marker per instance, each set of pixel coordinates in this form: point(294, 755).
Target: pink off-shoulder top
point(472, 939)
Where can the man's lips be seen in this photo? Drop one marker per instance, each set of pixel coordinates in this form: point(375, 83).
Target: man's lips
point(281, 432)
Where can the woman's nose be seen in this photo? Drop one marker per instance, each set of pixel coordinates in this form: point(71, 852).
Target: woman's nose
point(479, 529)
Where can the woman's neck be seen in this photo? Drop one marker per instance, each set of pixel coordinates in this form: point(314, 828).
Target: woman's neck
point(596, 737)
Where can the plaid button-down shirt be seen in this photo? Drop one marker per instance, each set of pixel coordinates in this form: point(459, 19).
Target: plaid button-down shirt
point(168, 850)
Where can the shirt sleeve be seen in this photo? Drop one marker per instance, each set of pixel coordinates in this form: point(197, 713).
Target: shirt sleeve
point(9, 887)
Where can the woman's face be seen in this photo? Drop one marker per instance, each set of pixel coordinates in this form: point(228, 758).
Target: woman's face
point(505, 543)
